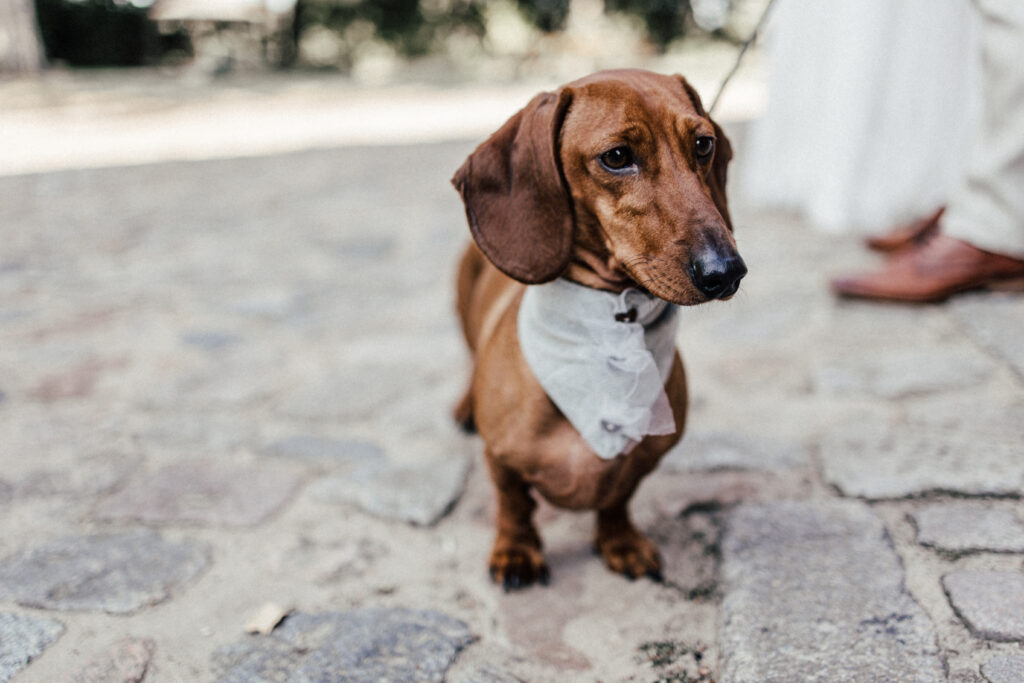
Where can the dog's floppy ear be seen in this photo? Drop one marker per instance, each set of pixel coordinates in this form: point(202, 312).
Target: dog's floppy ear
point(719, 167)
point(723, 155)
point(516, 198)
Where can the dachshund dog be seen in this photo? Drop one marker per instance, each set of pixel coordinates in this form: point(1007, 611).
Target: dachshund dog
point(595, 211)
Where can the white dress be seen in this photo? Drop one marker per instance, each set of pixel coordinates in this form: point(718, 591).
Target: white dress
point(870, 104)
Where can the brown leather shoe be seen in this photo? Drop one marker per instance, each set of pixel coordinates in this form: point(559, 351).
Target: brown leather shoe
point(933, 271)
point(905, 235)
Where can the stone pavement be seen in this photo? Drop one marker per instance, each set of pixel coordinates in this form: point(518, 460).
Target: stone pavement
point(226, 383)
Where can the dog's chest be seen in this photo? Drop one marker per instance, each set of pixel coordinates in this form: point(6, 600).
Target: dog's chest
point(603, 359)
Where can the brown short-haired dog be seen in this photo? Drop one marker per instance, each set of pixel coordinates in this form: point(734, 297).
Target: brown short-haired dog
point(612, 191)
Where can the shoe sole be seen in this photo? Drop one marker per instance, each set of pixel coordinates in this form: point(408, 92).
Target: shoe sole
point(1010, 285)
point(1014, 284)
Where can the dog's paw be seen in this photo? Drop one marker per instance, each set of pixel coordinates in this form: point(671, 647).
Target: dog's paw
point(518, 566)
point(631, 554)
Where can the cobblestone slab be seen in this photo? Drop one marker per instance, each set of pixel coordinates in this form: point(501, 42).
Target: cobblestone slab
point(91, 476)
point(993, 321)
point(1004, 669)
point(911, 460)
point(210, 340)
point(419, 490)
point(220, 384)
point(900, 373)
point(535, 624)
point(678, 494)
point(205, 491)
point(115, 573)
point(963, 527)
point(995, 414)
point(487, 661)
point(204, 432)
point(363, 646)
point(353, 394)
point(733, 451)
point(22, 639)
point(814, 591)
point(325, 451)
point(689, 547)
point(991, 603)
point(126, 661)
point(765, 325)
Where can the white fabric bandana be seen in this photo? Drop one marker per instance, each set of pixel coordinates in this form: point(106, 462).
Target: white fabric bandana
point(603, 358)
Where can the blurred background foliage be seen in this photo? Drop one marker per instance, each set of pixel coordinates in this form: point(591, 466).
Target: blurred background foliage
point(340, 34)
point(96, 33)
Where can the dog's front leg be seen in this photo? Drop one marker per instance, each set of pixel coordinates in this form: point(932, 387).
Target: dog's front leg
point(624, 549)
point(516, 559)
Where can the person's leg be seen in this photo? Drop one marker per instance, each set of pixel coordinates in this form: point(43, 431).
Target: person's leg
point(980, 242)
point(987, 210)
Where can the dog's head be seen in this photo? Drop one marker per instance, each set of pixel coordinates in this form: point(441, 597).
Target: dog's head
point(618, 179)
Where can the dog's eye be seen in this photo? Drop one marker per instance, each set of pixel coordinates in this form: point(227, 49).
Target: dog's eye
point(617, 159)
point(704, 147)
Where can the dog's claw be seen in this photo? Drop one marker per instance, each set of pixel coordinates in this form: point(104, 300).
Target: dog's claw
point(515, 578)
point(515, 570)
point(632, 555)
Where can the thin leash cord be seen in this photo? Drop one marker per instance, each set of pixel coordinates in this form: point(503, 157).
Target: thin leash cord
point(739, 58)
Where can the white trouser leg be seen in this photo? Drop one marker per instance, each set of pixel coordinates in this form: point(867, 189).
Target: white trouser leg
point(987, 210)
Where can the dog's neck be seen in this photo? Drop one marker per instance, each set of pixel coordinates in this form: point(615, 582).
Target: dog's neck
point(598, 269)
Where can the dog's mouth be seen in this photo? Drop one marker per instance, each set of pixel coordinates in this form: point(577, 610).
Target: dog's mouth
point(683, 280)
point(664, 280)
point(699, 282)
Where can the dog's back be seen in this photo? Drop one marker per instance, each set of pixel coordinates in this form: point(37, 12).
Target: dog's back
point(471, 267)
point(482, 294)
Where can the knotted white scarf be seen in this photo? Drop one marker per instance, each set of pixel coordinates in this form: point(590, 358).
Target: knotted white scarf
point(603, 358)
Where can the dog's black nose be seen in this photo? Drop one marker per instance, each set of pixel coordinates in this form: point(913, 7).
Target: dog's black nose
point(717, 275)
